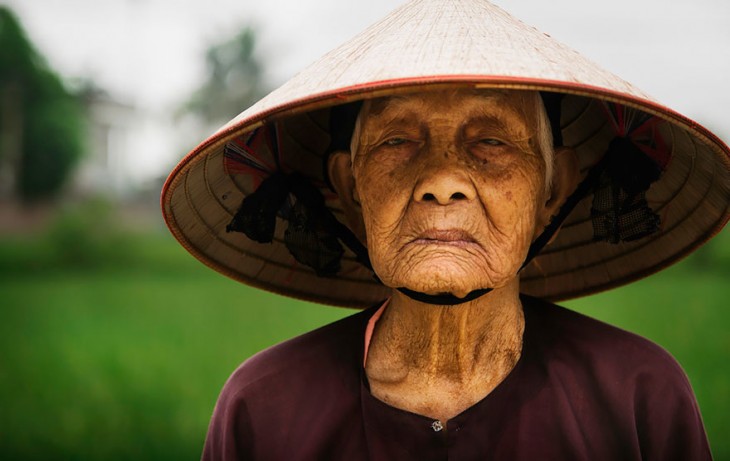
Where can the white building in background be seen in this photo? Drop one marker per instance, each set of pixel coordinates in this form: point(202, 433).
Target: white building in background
point(111, 124)
point(130, 148)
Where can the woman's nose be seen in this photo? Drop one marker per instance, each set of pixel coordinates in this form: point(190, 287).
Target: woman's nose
point(444, 182)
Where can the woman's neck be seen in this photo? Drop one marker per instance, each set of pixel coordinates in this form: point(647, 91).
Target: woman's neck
point(421, 355)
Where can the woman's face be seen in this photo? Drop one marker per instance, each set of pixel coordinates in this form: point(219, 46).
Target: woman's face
point(451, 187)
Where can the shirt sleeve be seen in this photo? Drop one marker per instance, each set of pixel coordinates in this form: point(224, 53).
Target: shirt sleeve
point(229, 434)
point(668, 420)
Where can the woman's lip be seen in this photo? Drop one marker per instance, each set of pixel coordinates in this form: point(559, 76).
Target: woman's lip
point(450, 236)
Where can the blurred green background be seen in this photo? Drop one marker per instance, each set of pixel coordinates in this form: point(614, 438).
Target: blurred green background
point(114, 343)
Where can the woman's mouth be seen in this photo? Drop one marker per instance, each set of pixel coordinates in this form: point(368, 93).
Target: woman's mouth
point(453, 237)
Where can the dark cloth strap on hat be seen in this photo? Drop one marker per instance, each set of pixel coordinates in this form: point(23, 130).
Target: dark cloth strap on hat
point(619, 182)
point(313, 234)
point(634, 160)
point(620, 211)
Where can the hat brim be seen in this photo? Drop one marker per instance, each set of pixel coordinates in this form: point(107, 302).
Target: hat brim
point(200, 198)
point(427, 44)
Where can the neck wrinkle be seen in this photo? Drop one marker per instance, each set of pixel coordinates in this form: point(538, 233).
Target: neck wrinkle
point(455, 343)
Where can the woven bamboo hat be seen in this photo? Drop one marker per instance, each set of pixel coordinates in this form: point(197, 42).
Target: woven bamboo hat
point(429, 44)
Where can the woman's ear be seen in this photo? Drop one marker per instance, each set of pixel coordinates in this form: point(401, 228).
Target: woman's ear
point(566, 175)
point(339, 169)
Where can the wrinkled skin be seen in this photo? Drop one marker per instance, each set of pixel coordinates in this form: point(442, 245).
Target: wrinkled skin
point(448, 190)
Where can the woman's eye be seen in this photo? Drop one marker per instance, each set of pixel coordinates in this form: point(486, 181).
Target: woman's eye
point(395, 141)
point(491, 142)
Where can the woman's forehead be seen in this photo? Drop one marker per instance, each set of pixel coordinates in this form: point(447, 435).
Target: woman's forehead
point(512, 106)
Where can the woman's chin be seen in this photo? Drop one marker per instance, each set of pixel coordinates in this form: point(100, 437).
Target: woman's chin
point(439, 283)
point(445, 275)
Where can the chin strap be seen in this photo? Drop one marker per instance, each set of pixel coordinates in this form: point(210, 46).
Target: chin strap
point(444, 299)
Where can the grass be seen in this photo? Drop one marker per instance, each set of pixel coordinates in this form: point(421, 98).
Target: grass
point(117, 349)
point(127, 366)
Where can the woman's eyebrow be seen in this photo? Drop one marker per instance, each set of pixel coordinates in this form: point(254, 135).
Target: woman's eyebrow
point(487, 120)
point(498, 123)
point(392, 116)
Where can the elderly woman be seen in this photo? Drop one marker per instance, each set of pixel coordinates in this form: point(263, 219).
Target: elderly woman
point(424, 175)
point(449, 189)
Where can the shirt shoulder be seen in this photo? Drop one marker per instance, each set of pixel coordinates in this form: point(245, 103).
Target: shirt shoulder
point(618, 382)
point(317, 352)
point(570, 335)
point(301, 393)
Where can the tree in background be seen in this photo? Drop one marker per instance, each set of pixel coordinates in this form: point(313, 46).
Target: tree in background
point(41, 123)
point(235, 80)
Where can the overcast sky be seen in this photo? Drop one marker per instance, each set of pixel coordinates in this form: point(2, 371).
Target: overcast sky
point(149, 52)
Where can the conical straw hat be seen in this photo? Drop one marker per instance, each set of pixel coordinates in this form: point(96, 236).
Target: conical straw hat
point(433, 44)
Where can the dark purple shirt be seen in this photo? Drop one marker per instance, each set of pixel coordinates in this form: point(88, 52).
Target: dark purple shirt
point(581, 390)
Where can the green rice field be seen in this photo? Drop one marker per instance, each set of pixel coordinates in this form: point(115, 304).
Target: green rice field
point(115, 346)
